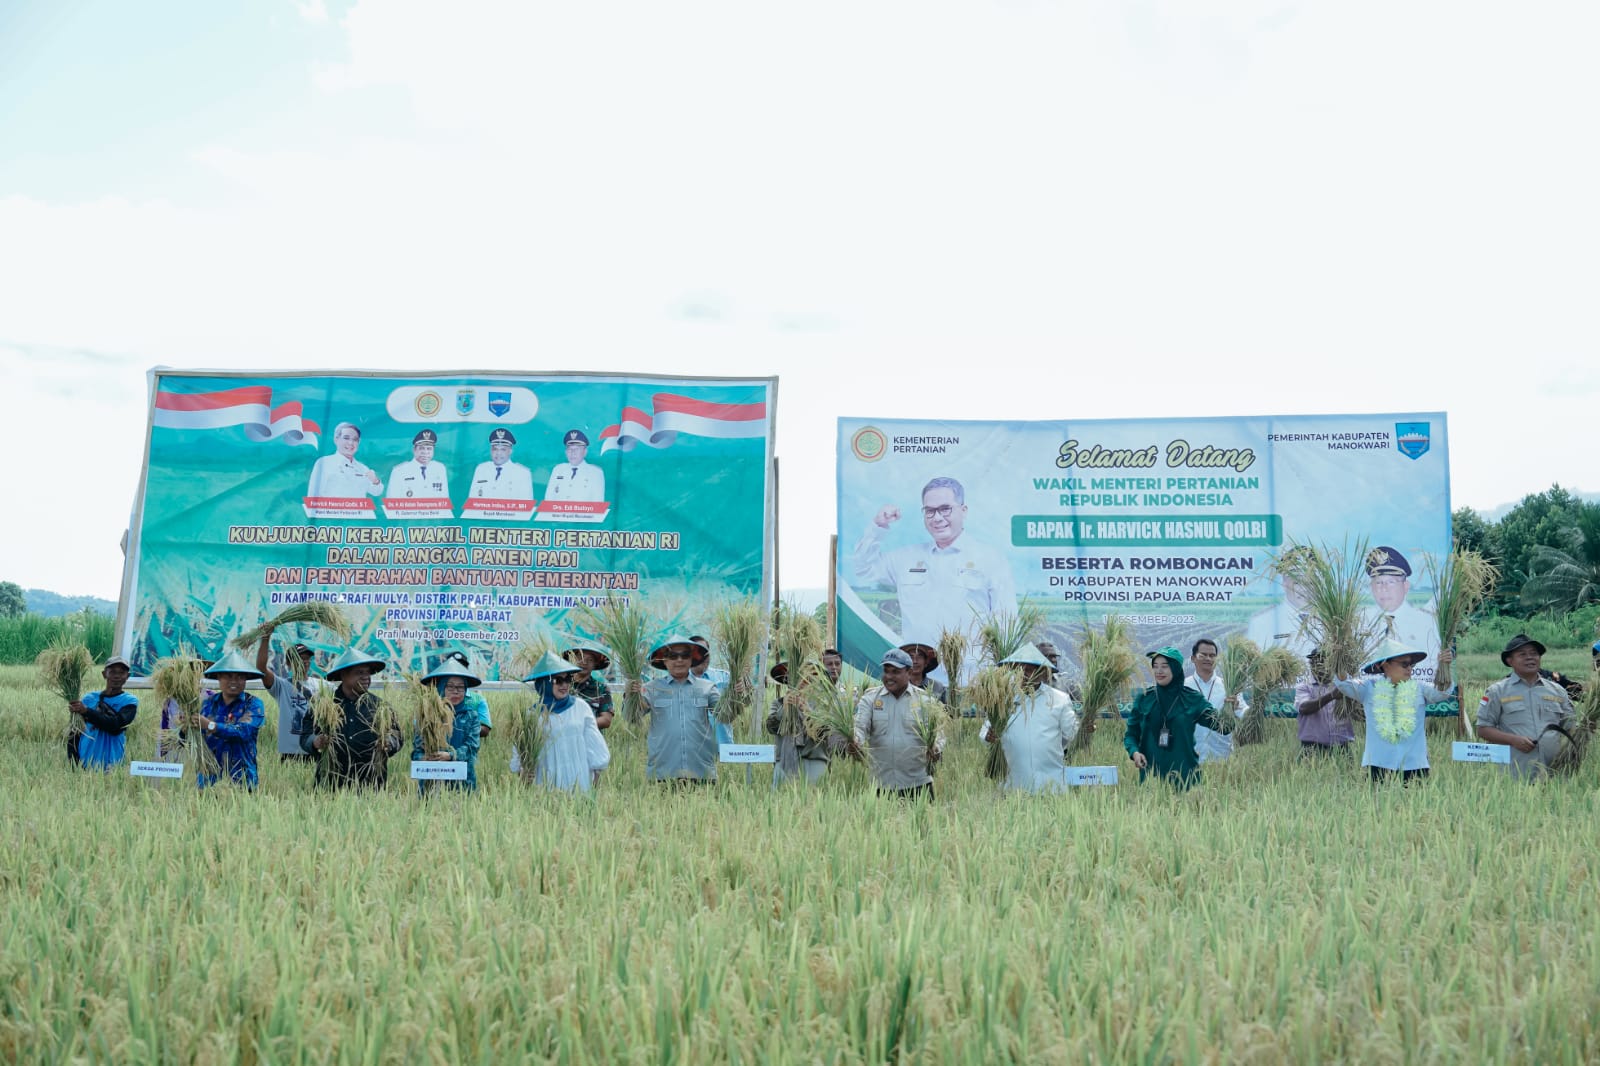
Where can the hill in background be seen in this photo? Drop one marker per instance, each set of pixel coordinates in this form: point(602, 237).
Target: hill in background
point(54, 604)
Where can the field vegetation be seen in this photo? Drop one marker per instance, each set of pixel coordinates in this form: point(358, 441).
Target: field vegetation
point(1283, 911)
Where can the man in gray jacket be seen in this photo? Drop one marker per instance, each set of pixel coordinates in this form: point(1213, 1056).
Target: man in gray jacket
point(886, 728)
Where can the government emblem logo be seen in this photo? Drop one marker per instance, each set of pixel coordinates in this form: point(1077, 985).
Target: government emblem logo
point(499, 404)
point(869, 444)
point(427, 403)
point(1412, 438)
point(466, 400)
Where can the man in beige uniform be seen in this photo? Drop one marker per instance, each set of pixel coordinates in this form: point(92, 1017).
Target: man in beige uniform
point(1518, 710)
point(886, 720)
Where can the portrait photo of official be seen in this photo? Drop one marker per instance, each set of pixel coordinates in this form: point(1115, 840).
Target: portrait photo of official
point(499, 478)
point(423, 477)
point(341, 476)
point(945, 579)
point(576, 479)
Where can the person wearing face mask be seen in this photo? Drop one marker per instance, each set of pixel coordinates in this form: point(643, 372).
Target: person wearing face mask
point(1042, 725)
point(357, 754)
point(1161, 726)
point(681, 745)
point(452, 681)
point(942, 582)
point(1395, 707)
point(574, 753)
point(106, 715)
point(229, 720)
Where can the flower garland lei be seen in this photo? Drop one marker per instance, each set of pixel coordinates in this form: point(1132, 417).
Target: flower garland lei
point(1394, 707)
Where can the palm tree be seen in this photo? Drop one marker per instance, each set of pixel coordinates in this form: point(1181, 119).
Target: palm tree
point(1564, 577)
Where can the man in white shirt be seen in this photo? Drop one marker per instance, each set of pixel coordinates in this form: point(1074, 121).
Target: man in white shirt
point(500, 478)
point(942, 583)
point(576, 479)
point(339, 476)
point(1206, 681)
point(421, 478)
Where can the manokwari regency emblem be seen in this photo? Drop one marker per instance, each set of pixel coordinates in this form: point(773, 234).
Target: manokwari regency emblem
point(499, 404)
point(1412, 438)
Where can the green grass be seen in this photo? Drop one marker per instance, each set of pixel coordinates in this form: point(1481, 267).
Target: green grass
point(1281, 912)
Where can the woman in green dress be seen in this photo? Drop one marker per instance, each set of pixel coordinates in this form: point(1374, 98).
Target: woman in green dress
point(1160, 736)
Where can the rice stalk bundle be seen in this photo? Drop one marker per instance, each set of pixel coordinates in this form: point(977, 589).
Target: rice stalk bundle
point(623, 626)
point(1581, 732)
point(1460, 584)
point(327, 713)
point(739, 628)
point(1273, 669)
point(797, 642)
point(530, 735)
point(1109, 663)
point(928, 723)
point(64, 665)
point(432, 717)
point(385, 721)
point(995, 691)
point(325, 615)
point(1002, 634)
point(181, 679)
point(953, 654)
point(1237, 663)
point(832, 711)
point(1332, 580)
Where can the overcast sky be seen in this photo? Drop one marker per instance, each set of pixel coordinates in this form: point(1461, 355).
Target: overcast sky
point(948, 210)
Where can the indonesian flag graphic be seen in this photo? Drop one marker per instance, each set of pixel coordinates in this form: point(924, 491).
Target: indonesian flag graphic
point(249, 406)
point(674, 414)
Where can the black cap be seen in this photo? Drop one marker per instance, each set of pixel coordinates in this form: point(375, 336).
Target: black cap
point(575, 436)
point(1384, 560)
point(502, 436)
point(1521, 640)
point(425, 436)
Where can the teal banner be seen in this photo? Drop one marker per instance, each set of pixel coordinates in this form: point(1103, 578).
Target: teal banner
point(443, 511)
point(1169, 523)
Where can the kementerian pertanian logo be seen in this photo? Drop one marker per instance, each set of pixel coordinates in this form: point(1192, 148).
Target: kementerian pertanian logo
point(1412, 438)
point(869, 444)
point(428, 403)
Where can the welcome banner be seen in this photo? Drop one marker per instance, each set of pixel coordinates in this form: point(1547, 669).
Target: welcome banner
point(1169, 523)
point(469, 511)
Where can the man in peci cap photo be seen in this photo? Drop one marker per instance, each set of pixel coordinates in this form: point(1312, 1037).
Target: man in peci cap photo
point(1394, 617)
point(577, 478)
point(500, 478)
point(422, 478)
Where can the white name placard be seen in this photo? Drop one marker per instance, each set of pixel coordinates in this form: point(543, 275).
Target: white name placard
point(1468, 751)
point(1091, 775)
point(422, 770)
point(747, 752)
point(172, 770)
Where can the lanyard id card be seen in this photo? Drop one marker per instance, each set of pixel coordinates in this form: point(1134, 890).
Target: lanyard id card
point(1165, 739)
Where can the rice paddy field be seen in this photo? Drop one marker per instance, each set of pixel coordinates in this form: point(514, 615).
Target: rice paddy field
point(1282, 912)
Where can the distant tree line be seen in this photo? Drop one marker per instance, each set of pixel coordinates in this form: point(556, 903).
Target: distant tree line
point(1547, 548)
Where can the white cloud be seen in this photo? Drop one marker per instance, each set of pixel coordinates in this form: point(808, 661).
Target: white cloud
point(1020, 210)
